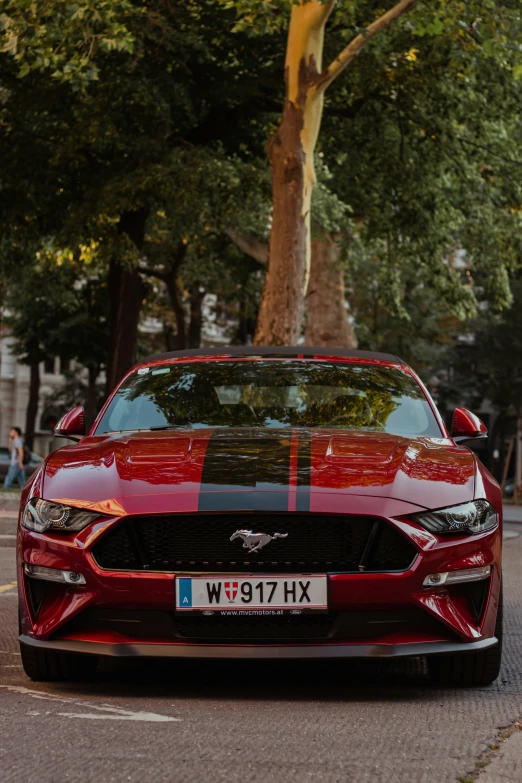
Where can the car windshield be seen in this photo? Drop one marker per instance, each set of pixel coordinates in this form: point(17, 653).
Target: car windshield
point(272, 394)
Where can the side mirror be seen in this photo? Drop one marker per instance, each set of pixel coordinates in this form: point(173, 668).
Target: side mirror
point(467, 426)
point(72, 425)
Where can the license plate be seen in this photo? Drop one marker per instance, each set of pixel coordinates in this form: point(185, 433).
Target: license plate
point(233, 595)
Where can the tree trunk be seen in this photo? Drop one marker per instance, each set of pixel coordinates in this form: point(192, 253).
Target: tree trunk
point(91, 400)
point(247, 324)
point(281, 311)
point(170, 337)
point(126, 291)
point(32, 405)
point(291, 155)
point(171, 282)
point(327, 322)
point(196, 317)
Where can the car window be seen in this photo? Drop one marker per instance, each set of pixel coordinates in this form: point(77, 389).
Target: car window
point(273, 394)
point(4, 455)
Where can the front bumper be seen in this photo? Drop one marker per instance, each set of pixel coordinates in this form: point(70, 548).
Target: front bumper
point(256, 652)
point(458, 627)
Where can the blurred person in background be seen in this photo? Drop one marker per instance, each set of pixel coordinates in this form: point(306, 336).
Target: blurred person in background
point(16, 467)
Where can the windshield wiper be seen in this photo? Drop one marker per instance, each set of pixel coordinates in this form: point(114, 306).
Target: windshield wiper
point(115, 432)
point(168, 427)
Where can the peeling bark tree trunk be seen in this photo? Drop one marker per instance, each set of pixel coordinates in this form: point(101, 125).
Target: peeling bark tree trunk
point(291, 155)
point(32, 405)
point(126, 292)
point(327, 323)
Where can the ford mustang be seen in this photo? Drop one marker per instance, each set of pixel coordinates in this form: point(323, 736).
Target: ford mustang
point(263, 503)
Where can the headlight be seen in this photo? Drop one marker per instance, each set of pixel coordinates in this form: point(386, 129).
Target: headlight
point(478, 516)
point(42, 515)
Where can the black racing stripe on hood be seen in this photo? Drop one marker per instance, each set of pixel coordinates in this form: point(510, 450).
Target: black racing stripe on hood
point(243, 501)
point(256, 464)
point(304, 472)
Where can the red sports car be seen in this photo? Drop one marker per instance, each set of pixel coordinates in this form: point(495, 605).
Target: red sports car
point(263, 503)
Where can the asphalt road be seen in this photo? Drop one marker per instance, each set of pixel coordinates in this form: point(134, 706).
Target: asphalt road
point(248, 722)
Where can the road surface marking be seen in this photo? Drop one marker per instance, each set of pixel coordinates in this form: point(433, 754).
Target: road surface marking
point(145, 716)
point(5, 588)
point(114, 713)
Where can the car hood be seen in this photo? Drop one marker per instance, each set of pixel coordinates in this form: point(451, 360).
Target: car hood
point(277, 470)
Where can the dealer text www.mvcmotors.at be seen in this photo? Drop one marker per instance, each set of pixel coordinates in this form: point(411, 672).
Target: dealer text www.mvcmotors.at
point(251, 612)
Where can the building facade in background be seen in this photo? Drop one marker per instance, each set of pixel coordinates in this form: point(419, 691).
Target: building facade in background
point(14, 395)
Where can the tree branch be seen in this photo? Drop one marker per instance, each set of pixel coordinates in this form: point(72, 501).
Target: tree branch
point(152, 272)
point(490, 151)
point(354, 47)
point(162, 274)
point(249, 245)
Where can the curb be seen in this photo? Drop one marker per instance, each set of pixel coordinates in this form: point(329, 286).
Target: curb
point(9, 501)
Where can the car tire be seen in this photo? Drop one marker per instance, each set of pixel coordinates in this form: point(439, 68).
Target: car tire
point(470, 669)
point(55, 666)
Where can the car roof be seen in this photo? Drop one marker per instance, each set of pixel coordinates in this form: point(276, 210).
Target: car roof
point(295, 352)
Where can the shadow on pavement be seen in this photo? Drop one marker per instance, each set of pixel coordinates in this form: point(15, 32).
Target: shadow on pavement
point(260, 680)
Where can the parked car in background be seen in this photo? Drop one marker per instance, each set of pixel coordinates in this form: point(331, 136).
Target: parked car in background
point(5, 459)
point(509, 487)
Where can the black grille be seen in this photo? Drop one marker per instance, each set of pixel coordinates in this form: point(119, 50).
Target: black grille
point(290, 628)
point(315, 543)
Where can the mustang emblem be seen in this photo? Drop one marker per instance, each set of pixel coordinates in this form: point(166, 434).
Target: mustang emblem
point(255, 541)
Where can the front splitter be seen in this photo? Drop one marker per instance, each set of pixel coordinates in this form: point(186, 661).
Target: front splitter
point(251, 651)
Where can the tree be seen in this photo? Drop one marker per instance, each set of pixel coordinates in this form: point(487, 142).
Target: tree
point(58, 308)
point(291, 153)
point(142, 96)
point(290, 150)
point(132, 117)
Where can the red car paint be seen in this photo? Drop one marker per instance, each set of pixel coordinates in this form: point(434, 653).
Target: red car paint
point(351, 473)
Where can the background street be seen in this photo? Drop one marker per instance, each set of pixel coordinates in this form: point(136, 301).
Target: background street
point(257, 722)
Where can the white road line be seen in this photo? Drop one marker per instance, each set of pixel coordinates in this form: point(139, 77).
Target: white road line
point(114, 713)
point(145, 716)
